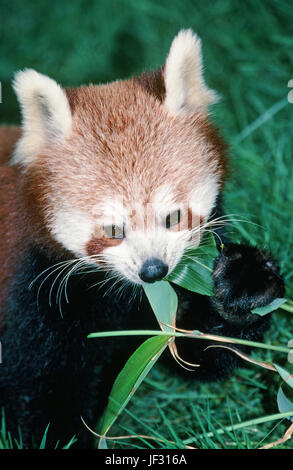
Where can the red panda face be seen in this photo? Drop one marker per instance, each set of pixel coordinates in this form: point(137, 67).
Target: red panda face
point(124, 175)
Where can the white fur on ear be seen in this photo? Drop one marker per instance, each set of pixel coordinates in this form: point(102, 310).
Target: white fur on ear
point(46, 114)
point(185, 86)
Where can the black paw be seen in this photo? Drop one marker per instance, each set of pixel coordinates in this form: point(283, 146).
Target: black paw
point(245, 278)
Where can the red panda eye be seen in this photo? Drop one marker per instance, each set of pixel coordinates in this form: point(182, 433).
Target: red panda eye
point(173, 218)
point(114, 231)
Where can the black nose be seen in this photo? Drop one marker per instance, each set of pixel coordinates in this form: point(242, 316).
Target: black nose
point(153, 270)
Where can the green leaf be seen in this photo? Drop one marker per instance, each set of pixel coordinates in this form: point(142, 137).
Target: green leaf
point(286, 376)
point(189, 278)
point(207, 250)
point(131, 376)
point(284, 404)
point(274, 305)
point(164, 302)
point(195, 270)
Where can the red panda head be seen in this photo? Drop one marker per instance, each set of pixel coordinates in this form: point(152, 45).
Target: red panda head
point(127, 172)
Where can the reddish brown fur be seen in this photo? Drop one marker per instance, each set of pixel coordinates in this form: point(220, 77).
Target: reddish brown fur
point(124, 141)
point(8, 137)
point(20, 221)
point(122, 138)
point(12, 214)
point(97, 245)
point(212, 135)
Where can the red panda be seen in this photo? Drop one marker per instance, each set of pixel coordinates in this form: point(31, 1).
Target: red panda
point(102, 189)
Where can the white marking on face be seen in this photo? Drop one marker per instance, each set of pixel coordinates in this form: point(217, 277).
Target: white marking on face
point(139, 246)
point(163, 199)
point(158, 242)
point(72, 229)
point(164, 203)
point(112, 211)
point(203, 197)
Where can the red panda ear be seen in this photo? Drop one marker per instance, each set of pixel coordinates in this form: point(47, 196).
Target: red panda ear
point(154, 83)
point(186, 90)
point(46, 114)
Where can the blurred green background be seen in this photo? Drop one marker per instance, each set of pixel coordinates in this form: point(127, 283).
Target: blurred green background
point(248, 56)
point(247, 45)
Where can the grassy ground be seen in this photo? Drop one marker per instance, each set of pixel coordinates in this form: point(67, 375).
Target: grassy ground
point(248, 58)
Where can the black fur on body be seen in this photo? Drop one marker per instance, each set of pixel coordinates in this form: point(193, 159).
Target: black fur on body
point(51, 373)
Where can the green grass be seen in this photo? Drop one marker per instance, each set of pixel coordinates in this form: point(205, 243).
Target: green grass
point(248, 59)
point(13, 443)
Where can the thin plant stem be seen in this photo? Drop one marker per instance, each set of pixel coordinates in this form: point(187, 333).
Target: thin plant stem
point(288, 308)
point(190, 335)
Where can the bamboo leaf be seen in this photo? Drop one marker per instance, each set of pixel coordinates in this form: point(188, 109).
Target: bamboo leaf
point(194, 272)
point(189, 277)
point(206, 251)
point(286, 376)
point(274, 305)
point(130, 377)
point(284, 404)
point(164, 302)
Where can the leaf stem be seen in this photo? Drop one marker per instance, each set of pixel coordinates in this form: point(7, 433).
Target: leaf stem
point(199, 335)
point(287, 307)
